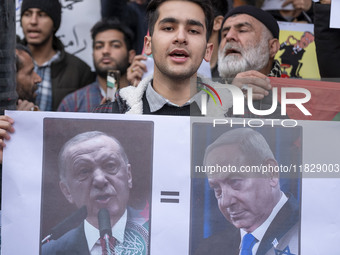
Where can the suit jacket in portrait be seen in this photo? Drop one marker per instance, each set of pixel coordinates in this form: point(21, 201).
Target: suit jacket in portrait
point(72, 243)
point(136, 242)
point(289, 56)
point(281, 235)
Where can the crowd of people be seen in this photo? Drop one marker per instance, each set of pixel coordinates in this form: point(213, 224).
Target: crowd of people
point(235, 39)
point(67, 83)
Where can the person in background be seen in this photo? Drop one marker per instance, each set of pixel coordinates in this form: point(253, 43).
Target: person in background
point(112, 50)
point(26, 79)
point(61, 72)
point(249, 42)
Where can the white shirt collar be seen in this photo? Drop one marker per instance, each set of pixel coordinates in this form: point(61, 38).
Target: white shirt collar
point(261, 230)
point(156, 101)
point(118, 230)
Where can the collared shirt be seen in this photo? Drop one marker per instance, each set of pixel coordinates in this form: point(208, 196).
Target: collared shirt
point(83, 100)
point(261, 230)
point(92, 234)
point(44, 91)
point(156, 101)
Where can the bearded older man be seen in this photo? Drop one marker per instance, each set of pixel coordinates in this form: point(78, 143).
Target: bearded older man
point(249, 42)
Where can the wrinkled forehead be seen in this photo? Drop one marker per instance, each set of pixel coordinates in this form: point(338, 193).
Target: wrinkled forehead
point(92, 145)
point(225, 154)
point(242, 19)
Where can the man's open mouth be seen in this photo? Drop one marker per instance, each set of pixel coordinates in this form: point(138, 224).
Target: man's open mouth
point(232, 51)
point(179, 54)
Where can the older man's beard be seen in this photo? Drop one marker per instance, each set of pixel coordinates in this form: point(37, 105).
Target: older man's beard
point(251, 58)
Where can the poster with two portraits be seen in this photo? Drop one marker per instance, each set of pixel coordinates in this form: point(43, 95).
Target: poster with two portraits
point(171, 195)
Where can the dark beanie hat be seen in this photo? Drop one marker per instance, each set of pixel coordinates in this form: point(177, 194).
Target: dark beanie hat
point(51, 7)
point(264, 17)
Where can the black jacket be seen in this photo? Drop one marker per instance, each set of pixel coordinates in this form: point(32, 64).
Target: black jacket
point(327, 42)
point(68, 74)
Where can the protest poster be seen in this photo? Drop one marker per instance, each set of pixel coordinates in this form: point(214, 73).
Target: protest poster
point(335, 19)
point(297, 54)
point(169, 149)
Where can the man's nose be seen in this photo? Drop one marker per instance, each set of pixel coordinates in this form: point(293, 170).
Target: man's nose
point(106, 49)
point(34, 18)
point(228, 199)
point(231, 35)
point(99, 178)
point(181, 36)
point(37, 78)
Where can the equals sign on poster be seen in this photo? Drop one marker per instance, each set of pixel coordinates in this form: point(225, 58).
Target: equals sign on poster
point(170, 197)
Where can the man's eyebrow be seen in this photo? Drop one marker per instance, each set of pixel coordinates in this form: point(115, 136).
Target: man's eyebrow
point(191, 22)
point(243, 24)
point(111, 41)
point(238, 25)
point(168, 20)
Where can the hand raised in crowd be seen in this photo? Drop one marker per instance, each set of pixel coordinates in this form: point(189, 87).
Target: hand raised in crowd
point(5, 128)
point(24, 105)
point(136, 70)
point(303, 5)
point(259, 83)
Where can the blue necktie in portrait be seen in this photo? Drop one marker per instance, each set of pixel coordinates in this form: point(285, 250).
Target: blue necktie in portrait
point(248, 243)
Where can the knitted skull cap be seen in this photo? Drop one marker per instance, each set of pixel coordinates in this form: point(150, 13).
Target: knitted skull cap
point(264, 17)
point(51, 7)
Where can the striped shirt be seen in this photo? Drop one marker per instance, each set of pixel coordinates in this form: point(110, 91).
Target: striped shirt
point(44, 91)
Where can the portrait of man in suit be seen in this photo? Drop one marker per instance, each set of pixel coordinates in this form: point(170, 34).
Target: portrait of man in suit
point(246, 183)
point(95, 173)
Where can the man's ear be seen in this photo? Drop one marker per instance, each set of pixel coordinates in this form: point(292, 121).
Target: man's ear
point(65, 190)
point(132, 54)
point(129, 175)
point(274, 46)
point(147, 45)
point(274, 175)
point(218, 22)
point(208, 51)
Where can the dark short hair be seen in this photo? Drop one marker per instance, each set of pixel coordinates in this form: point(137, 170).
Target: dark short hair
point(153, 14)
point(18, 62)
point(220, 7)
point(115, 24)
